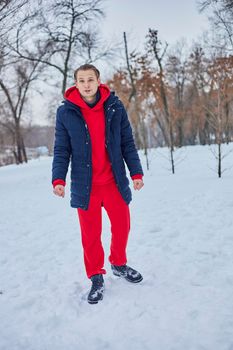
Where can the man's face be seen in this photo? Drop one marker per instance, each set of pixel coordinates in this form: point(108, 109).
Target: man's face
point(87, 84)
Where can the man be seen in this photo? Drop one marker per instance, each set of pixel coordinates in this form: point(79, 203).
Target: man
point(92, 128)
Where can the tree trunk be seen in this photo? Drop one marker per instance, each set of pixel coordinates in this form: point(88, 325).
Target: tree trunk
point(25, 159)
point(18, 140)
point(219, 161)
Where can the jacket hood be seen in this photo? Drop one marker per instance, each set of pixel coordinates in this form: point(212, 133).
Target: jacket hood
point(73, 95)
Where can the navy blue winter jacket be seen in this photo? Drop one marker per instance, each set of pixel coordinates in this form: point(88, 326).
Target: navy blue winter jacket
point(72, 142)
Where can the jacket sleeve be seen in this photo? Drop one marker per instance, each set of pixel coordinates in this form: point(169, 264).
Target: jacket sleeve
point(62, 149)
point(128, 147)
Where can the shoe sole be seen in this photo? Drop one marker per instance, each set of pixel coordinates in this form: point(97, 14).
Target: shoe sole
point(127, 279)
point(96, 302)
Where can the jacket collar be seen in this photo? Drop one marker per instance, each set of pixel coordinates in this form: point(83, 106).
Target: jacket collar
point(111, 101)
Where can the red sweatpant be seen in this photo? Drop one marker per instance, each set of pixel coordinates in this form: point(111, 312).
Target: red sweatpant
point(90, 220)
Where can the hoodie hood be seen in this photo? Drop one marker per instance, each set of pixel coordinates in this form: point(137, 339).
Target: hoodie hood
point(73, 95)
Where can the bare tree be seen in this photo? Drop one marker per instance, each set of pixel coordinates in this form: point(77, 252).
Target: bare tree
point(198, 90)
point(8, 8)
point(133, 102)
point(15, 97)
point(221, 18)
point(220, 71)
point(64, 33)
point(154, 47)
point(176, 71)
point(9, 104)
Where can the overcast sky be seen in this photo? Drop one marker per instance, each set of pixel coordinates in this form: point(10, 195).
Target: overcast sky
point(173, 19)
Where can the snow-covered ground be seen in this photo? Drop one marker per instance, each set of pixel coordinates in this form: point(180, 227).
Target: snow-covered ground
point(181, 241)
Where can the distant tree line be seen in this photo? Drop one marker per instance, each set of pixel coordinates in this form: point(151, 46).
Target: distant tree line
point(183, 101)
point(182, 96)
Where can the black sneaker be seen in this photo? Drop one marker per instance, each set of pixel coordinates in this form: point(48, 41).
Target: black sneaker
point(127, 272)
point(97, 289)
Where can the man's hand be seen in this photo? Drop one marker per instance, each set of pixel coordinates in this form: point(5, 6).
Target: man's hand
point(59, 190)
point(137, 184)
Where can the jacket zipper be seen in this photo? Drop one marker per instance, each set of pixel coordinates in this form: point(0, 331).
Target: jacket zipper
point(88, 140)
point(106, 142)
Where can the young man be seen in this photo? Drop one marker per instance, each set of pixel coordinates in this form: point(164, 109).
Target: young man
point(92, 128)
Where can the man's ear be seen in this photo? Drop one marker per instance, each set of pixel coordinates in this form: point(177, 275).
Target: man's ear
point(99, 82)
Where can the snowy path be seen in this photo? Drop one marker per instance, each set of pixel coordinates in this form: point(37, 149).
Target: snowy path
point(181, 240)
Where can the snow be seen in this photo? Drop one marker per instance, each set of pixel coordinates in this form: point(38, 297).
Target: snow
point(181, 240)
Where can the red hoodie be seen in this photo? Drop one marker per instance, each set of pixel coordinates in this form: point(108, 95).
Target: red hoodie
point(95, 119)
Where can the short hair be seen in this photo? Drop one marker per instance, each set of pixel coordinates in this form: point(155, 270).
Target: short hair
point(87, 67)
